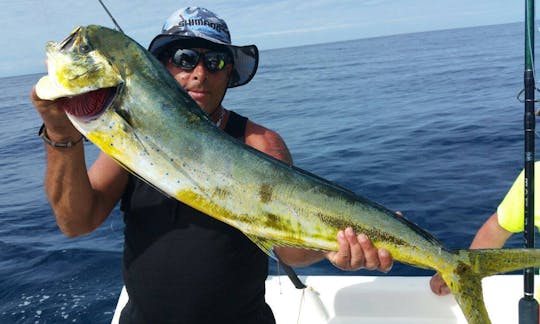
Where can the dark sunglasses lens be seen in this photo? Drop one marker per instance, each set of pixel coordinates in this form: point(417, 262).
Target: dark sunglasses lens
point(215, 61)
point(185, 59)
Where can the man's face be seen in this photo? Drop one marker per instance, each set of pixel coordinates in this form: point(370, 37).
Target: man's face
point(205, 87)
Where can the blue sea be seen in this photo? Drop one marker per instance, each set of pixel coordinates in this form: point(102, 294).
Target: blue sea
point(425, 123)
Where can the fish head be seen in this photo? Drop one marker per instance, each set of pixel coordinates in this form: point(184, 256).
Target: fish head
point(79, 69)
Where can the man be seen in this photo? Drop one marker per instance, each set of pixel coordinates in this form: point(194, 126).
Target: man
point(180, 265)
point(507, 220)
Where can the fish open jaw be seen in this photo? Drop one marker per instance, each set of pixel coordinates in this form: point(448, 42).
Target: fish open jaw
point(90, 104)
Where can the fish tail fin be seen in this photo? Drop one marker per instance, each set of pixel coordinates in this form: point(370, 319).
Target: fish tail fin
point(464, 277)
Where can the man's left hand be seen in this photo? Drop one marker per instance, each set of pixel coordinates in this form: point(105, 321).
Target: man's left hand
point(356, 251)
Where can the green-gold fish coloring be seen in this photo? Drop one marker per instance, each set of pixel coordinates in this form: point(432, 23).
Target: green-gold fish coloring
point(156, 131)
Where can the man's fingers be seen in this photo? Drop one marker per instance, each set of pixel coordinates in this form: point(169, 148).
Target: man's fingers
point(344, 252)
point(370, 254)
point(386, 261)
point(357, 251)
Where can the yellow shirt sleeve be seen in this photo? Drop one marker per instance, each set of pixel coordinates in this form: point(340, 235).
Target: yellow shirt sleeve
point(510, 211)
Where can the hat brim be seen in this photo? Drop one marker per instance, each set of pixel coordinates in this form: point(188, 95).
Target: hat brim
point(246, 58)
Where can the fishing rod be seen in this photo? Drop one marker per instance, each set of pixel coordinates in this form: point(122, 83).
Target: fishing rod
point(111, 16)
point(528, 306)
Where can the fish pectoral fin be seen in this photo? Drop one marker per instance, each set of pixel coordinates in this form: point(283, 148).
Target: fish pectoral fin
point(264, 244)
point(142, 178)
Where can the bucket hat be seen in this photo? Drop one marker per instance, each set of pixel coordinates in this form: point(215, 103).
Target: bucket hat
point(200, 27)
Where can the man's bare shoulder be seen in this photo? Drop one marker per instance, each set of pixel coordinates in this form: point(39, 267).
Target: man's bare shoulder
point(267, 141)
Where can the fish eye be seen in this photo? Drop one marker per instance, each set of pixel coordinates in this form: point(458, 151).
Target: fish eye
point(84, 49)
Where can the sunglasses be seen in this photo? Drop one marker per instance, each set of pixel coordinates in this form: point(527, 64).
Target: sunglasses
point(187, 59)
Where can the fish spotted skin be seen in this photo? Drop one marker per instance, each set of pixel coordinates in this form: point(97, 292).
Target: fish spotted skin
point(156, 131)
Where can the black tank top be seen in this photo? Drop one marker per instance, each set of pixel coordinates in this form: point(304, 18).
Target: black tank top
point(182, 266)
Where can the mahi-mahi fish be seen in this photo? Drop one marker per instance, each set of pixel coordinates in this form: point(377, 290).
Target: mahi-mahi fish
point(143, 119)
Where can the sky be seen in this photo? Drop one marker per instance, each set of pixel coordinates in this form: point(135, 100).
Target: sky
point(26, 25)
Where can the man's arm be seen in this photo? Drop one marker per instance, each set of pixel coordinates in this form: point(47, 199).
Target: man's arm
point(491, 235)
point(80, 199)
point(355, 250)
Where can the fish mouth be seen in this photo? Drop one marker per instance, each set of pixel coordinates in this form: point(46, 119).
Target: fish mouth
point(91, 104)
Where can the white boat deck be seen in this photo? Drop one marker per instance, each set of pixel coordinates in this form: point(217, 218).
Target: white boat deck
point(386, 299)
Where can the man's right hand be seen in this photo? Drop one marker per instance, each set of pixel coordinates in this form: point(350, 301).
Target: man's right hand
point(59, 128)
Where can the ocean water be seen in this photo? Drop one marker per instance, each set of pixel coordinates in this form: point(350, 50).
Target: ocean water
point(424, 123)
